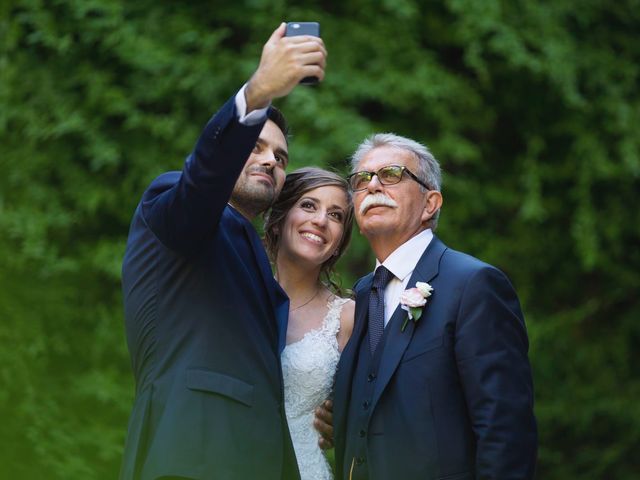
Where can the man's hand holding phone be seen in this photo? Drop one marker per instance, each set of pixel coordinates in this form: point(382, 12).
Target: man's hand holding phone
point(295, 29)
point(285, 62)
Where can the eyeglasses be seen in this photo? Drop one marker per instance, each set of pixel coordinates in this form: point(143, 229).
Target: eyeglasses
point(389, 175)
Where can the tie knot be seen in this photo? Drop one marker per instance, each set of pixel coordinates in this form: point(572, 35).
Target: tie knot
point(381, 277)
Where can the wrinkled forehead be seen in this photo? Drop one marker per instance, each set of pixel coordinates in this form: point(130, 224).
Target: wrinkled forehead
point(387, 155)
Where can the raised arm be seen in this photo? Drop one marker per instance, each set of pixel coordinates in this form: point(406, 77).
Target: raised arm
point(183, 210)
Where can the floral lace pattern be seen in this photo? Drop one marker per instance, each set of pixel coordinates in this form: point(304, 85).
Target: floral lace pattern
point(308, 368)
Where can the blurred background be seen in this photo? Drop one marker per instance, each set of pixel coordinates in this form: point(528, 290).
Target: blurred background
point(531, 106)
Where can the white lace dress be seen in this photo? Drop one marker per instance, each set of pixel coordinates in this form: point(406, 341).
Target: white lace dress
point(308, 368)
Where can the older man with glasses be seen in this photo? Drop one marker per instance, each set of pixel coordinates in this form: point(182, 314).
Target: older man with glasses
point(435, 382)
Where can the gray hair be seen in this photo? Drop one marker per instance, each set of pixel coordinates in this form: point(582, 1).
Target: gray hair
point(428, 167)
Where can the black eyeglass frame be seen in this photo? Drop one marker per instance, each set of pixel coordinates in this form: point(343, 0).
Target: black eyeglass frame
point(402, 168)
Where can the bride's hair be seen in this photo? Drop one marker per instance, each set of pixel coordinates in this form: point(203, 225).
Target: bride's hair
point(295, 186)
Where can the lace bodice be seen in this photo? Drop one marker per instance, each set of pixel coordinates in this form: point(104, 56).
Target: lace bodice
point(308, 368)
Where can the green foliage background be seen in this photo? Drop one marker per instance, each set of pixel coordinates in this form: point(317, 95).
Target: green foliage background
point(531, 106)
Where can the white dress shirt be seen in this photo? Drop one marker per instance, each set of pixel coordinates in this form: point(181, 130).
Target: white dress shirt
point(251, 118)
point(402, 262)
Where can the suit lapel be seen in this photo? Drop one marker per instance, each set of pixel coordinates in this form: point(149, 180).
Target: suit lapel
point(348, 357)
point(277, 296)
point(397, 341)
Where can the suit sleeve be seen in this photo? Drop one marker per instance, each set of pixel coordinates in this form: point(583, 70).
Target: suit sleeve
point(491, 352)
point(183, 213)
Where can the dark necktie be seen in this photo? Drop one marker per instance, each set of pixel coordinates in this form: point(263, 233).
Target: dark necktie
point(376, 306)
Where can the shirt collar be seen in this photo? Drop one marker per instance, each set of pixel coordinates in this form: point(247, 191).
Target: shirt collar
point(403, 260)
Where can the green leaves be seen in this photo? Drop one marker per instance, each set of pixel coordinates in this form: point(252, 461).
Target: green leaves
point(531, 107)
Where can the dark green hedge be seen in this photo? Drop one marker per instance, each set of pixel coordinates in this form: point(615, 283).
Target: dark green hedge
point(531, 106)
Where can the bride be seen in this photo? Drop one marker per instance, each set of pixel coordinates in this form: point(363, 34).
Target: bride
point(307, 230)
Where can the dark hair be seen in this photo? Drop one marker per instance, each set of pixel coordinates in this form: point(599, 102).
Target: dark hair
point(295, 186)
point(277, 117)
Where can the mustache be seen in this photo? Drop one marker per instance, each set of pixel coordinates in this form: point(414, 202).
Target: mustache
point(261, 169)
point(376, 200)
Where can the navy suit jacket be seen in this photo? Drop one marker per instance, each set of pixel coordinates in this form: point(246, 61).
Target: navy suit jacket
point(453, 398)
point(205, 323)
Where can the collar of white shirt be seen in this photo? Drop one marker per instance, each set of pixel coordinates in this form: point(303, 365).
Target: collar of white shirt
point(402, 262)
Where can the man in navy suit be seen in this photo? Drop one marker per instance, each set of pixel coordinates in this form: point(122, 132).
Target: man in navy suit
point(447, 395)
point(205, 320)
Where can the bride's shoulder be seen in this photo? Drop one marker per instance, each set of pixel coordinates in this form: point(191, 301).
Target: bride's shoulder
point(344, 305)
point(347, 310)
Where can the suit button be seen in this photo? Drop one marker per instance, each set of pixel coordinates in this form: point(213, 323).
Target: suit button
point(359, 461)
point(362, 433)
point(371, 377)
point(365, 404)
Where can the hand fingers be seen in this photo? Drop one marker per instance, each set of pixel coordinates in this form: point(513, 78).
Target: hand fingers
point(323, 427)
point(312, 71)
point(325, 444)
point(315, 56)
point(304, 39)
point(284, 62)
point(306, 43)
point(311, 49)
point(325, 440)
point(323, 423)
point(310, 52)
point(323, 420)
point(278, 33)
point(313, 59)
point(324, 414)
point(311, 64)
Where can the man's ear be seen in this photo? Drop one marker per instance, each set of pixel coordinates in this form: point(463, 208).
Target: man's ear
point(432, 205)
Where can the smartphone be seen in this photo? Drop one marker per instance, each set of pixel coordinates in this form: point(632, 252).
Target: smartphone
point(304, 28)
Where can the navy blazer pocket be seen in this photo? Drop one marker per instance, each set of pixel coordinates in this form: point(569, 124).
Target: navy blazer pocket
point(426, 347)
point(213, 382)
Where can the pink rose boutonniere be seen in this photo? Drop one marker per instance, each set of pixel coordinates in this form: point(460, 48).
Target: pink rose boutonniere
point(413, 300)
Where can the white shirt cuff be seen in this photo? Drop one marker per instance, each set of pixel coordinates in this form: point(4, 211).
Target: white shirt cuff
point(251, 118)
